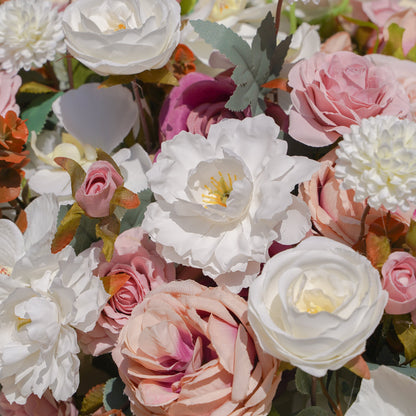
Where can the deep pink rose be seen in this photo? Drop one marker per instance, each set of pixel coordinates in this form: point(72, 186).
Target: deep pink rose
point(35, 406)
point(95, 193)
point(9, 85)
point(333, 91)
point(399, 279)
point(197, 103)
point(188, 350)
point(407, 20)
point(135, 255)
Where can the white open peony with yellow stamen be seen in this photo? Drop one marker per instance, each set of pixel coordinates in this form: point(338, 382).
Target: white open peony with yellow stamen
point(222, 201)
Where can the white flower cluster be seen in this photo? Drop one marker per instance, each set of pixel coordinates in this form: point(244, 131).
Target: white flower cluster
point(378, 161)
point(30, 34)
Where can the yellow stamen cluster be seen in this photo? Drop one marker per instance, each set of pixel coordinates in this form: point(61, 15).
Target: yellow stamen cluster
point(220, 190)
point(120, 26)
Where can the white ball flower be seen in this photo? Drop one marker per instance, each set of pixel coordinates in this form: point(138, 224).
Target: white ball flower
point(378, 161)
point(221, 201)
point(30, 34)
point(122, 36)
point(315, 305)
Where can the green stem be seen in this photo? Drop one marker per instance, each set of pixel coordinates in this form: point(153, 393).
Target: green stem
point(292, 18)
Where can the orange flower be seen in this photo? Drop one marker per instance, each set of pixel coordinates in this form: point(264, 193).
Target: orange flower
point(13, 137)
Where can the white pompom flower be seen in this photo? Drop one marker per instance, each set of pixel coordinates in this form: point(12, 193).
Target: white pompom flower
point(30, 34)
point(378, 161)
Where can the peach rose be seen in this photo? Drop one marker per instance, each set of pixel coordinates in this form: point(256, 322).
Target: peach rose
point(399, 279)
point(188, 350)
point(135, 255)
point(333, 91)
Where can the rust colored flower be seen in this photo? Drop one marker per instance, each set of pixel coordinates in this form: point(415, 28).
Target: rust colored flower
point(13, 137)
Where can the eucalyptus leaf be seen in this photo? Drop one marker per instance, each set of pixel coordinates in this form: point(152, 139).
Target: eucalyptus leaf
point(303, 381)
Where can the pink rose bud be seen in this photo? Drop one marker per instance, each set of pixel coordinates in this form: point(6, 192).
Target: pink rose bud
point(399, 279)
point(98, 188)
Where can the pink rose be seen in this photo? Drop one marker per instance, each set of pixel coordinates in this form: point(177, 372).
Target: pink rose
point(407, 20)
point(197, 103)
point(399, 279)
point(333, 91)
point(135, 255)
point(35, 406)
point(95, 193)
point(379, 11)
point(9, 85)
point(188, 350)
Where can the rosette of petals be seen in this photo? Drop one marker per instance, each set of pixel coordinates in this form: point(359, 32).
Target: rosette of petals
point(44, 298)
point(30, 34)
point(378, 160)
point(221, 201)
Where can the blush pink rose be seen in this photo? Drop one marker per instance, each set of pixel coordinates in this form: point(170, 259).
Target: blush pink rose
point(135, 255)
point(333, 91)
point(399, 279)
point(407, 20)
point(188, 350)
point(379, 11)
point(95, 193)
point(9, 85)
point(35, 406)
point(196, 104)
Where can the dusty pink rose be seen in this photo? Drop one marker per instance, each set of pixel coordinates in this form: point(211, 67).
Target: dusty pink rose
point(333, 91)
point(379, 11)
point(9, 85)
point(95, 193)
point(188, 350)
point(35, 406)
point(407, 20)
point(399, 279)
point(197, 103)
point(135, 255)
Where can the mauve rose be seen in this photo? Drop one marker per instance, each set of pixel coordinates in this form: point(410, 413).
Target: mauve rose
point(188, 350)
point(399, 279)
point(95, 193)
point(407, 20)
point(35, 406)
point(135, 255)
point(197, 103)
point(333, 91)
point(9, 85)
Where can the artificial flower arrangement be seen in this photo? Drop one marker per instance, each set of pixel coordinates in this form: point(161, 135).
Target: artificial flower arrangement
point(208, 207)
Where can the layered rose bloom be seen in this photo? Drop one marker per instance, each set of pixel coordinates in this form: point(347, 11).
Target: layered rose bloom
point(197, 103)
point(135, 256)
point(189, 350)
point(9, 85)
point(399, 279)
point(331, 92)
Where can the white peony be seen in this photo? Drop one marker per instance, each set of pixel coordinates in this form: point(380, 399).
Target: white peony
point(221, 201)
point(378, 161)
point(122, 36)
point(316, 304)
point(30, 34)
point(44, 298)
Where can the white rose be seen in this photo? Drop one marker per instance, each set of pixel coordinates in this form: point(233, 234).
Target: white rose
point(122, 36)
point(316, 304)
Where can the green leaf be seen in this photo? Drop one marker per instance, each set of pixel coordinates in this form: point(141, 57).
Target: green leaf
point(124, 198)
point(93, 400)
point(279, 56)
point(411, 55)
point(187, 6)
point(80, 73)
point(38, 112)
point(34, 87)
point(114, 397)
point(134, 217)
point(158, 76)
point(406, 332)
point(393, 46)
point(273, 412)
point(108, 229)
point(117, 80)
point(313, 411)
point(377, 249)
point(303, 382)
point(411, 237)
point(75, 170)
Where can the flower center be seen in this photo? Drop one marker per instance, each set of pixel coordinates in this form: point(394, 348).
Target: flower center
point(120, 26)
point(226, 8)
point(5, 270)
point(219, 191)
point(22, 322)
point(314, 301)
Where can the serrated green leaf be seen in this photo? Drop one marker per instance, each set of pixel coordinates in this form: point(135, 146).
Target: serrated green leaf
point(114, 397)
point(406, 332)
point(313, 411)
point(278, 57)
point(393, 45)
point(93, 400)
point(158, 76)
point(244, 96)
point(303, 382)
point(134, 217)
point(38, 112)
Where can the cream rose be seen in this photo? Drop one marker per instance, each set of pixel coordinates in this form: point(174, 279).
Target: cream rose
point(316, 304)
point(122, 36)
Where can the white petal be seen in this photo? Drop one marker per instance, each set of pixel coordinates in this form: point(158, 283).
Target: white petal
point(11, 243)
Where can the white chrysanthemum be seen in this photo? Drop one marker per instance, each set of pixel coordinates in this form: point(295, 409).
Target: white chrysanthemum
point(44, 299)
point(221, 201)
point(30, 34)
point(378, 161)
